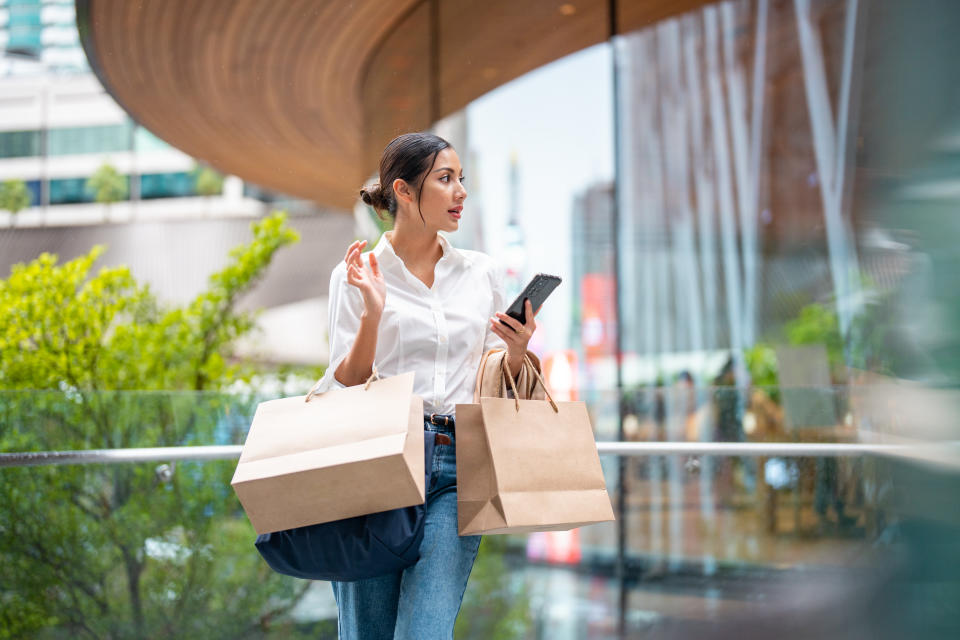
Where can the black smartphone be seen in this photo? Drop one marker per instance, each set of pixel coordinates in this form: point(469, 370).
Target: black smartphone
point(541, 286)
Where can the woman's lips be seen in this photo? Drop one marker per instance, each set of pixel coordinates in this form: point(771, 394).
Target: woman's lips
point(455, 212)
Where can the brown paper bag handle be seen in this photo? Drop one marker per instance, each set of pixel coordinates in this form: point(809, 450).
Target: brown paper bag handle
point(483, 365)
point(529, 363)
point(505, 371)
point(501, 385)
point(375, 374)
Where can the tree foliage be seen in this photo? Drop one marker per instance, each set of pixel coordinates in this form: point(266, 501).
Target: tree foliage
point(108, 185)
point(494, 607)
point(127, 550)
point(207, 181)
point(14, 196)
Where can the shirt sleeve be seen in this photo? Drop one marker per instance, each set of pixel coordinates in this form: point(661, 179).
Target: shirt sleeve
point(346, 307)
point(492, 340)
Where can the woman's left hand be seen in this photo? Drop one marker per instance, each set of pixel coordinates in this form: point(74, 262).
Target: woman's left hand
point(516, 335)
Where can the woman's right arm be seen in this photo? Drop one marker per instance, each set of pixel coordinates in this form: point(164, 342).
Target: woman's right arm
point(357, 366)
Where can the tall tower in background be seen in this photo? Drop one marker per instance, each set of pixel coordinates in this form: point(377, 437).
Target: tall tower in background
point(594, 310)
point(515, 261)
point(33, 32)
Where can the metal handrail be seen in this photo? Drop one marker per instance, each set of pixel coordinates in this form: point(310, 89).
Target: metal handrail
point(940, 454)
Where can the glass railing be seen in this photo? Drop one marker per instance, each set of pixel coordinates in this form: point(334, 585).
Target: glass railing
point(766, 542)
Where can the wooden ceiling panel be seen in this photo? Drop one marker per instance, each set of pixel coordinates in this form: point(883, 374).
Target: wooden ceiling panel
point(507, 39)
point(300, 96)
point(269, 91)
point(396, 88)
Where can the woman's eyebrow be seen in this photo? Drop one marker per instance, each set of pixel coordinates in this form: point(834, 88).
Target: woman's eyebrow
point(443, 169)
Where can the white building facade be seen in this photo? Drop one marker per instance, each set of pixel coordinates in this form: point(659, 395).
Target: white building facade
point(58, 126)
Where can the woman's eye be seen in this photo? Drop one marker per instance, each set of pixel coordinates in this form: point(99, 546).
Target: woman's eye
point(463, 179)
point(445, 178)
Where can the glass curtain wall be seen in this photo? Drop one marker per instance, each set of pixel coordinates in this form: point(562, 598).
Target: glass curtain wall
point(735, 221)
point(778, 195)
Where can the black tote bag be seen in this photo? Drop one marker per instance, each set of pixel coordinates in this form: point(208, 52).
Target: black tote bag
point(353, 548)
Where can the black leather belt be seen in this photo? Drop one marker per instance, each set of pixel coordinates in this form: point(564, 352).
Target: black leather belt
point(439, 419)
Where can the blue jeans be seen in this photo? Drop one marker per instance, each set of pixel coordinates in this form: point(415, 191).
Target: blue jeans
point(421, 602)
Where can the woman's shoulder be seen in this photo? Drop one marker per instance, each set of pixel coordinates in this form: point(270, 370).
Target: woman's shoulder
point(339, 272)
point(477, 259)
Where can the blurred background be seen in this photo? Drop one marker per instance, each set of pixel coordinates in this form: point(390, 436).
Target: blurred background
point(753, 207)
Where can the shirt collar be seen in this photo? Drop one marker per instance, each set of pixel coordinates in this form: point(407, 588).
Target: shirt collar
point(385, 249)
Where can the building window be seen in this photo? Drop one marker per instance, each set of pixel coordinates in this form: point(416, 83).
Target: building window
point(81, 140)
point(70, 191)
point(146, 141)
point(34, 187)
point(25, 28)
point(167, 185)
point(19, 144)
point(251, 190)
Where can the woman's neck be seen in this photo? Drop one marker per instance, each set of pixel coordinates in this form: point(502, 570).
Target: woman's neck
point(415, 247)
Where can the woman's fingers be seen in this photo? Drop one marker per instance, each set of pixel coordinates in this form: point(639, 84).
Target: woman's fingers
point(346, 256)
point(374, 265)
point(353, 274)
point(510, 321)
point(507, 335)
point(500, 330)
point(515, 332)
point(353, 251)
point(530, 324)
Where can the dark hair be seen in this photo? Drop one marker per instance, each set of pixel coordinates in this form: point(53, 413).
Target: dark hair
point(408, 157)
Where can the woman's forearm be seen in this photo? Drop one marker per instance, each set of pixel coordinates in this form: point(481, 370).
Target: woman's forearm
point(358, 365)
point(515, 364)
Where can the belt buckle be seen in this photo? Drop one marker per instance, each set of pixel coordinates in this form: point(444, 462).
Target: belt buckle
point(433, 420)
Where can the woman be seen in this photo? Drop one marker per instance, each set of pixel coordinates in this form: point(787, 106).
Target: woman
point(415, 303)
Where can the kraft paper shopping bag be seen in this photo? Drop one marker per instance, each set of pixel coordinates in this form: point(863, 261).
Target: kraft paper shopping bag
point(344, 453)
point(527, 465)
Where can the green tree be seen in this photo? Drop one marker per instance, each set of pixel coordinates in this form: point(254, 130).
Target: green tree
point(207, 182)
point(108, 186)
point(128, 550)
point(494, 606)
point(14, 197)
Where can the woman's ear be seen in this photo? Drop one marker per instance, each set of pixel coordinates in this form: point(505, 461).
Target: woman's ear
point(403, 192)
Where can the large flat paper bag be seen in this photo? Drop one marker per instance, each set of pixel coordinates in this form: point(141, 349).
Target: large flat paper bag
point(532, 469)
point(347, 452)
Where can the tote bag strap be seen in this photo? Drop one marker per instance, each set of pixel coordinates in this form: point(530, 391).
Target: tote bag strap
point(480, 373)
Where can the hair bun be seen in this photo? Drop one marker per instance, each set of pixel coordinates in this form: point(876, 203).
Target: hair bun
point(375, 196)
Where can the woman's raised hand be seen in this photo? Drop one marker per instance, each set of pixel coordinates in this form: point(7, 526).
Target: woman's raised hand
point(366, 277)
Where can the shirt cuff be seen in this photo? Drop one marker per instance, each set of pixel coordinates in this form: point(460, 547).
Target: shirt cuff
point(329, 381)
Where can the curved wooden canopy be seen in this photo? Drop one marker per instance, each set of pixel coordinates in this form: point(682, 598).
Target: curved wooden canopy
point(300, 96)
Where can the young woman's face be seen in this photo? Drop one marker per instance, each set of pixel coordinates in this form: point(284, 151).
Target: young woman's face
point(441, 200)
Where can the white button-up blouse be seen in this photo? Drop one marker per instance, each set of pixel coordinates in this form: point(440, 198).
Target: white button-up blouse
point(440, 333)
